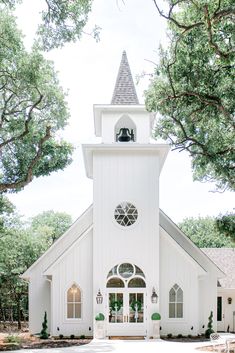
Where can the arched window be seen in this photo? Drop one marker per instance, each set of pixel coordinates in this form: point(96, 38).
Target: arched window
point(126, 275)
point(115, 282)
point(176, 302)
point(136, 282)
point(74, 302)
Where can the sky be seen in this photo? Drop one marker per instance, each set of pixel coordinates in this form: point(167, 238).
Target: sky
point(88, 70)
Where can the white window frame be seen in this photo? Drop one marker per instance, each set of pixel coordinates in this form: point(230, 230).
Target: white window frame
point(67, 302)
point(176, 302)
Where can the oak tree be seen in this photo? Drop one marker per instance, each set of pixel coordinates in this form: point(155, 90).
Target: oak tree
point(33, 110)
point(204, 233)
point(62, 21)
point(193, 87)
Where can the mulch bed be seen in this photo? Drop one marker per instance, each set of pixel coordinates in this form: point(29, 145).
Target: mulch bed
point(38, 344)
point(24, 340)
point(186, 339)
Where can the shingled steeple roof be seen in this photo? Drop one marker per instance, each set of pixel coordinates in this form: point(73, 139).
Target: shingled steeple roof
point(124, 91)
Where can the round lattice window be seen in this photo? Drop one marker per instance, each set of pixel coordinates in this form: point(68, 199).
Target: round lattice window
point(126, 214)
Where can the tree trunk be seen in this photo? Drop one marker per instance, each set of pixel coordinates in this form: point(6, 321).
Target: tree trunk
point(18, 312)
point(2, 314)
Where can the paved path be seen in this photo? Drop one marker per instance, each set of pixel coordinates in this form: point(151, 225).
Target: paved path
point(118, 346)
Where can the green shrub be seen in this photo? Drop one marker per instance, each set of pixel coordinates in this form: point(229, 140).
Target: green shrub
point(169, 335)
point(12, 339)
point(100, 317)
point(209, 330)
point(179, 335)
point(61, 336)
point(44, 334)
point(189, 336)
point(72, 337)
point(156, 316)
point(82, 337)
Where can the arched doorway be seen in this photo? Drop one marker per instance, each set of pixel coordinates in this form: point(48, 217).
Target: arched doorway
point(126, 301)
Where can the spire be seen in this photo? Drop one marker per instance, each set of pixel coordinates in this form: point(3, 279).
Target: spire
point(124, 91)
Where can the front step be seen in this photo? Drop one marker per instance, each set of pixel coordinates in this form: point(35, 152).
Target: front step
point(134, 338)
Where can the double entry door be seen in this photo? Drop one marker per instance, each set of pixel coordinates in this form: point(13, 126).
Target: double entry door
point(126, 312)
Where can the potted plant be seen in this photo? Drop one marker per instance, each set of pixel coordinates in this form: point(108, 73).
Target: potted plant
point(156, 317)
point(99, 326)
point(100, 317)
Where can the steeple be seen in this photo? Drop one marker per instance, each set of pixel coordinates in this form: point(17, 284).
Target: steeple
point(124, 91)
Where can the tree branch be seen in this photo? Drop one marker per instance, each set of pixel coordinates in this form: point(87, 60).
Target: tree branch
point(210, 35)
point(29, 175)
point(26, 130)
point(170, 18)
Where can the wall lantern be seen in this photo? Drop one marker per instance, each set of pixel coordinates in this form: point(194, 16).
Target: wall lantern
point(154, 296)
point(229, 300)
point(99, 298)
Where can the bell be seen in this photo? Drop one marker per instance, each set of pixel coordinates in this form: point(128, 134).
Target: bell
point(124, 135)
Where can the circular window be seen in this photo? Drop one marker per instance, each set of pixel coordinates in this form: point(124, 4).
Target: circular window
point(126, 270)
point(125, 214)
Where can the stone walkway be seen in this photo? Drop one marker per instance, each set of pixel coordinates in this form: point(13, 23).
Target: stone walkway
point(118, 346)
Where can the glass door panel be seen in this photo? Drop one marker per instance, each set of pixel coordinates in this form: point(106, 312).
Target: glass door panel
point(115, 307)
point(136, 307)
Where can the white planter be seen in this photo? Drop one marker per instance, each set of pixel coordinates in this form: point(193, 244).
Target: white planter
point(156, 328)
point(99, 330)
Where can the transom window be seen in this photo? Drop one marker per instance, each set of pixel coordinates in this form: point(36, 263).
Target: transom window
point(126, 275)
point(126, 214)
point(74, 303)
point(175, 302)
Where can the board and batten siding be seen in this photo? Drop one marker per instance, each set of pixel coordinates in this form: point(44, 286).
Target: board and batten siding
point(130, 176)
point(177, 267)
point(75, 267)
point(39, 286)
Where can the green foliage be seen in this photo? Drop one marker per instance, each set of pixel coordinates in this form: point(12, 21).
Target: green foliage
point(62, 21)
point(100, 317)
point(209, 330)
point(44, 334)
point(20, 246)
point(204, 233)
point(50, 225)
point(33, 111)
point(12, 339)
point(82, 337)
point(156, 316)
point(8, 218)
point(193, 87)
point(18, 250)
point(226, 224)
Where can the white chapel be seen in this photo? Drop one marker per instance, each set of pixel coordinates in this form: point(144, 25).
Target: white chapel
point(123, 259)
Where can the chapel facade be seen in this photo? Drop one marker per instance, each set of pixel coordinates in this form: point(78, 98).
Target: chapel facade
point(123, 260)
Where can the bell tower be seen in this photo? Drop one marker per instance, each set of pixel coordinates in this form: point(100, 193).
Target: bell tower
point(125, 168)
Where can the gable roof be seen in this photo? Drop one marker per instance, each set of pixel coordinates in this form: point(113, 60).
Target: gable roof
point(197, 254)
point(85, 223)
point(225, 259)
point(56, 250)
point(124, 91)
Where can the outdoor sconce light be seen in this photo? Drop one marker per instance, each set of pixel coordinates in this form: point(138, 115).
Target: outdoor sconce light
point(154, 296)
point(99, 298)
point(229, 300)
